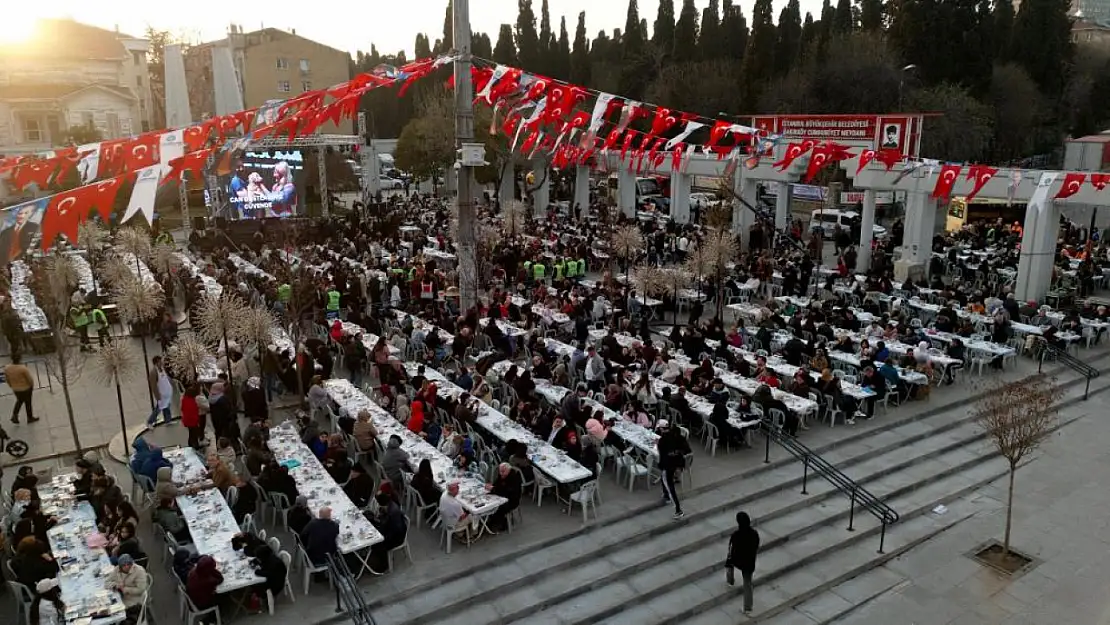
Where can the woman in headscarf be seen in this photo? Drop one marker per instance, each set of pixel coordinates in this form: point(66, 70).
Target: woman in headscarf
point(202, 583)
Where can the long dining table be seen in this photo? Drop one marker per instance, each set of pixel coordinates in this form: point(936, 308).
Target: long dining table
point(82, 568)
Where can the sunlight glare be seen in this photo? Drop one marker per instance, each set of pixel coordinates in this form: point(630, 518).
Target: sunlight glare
point(16, 28)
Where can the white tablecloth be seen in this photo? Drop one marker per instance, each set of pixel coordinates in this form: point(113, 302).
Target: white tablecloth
point(417, 322)
point(507, 328)
point(551, 461)
point(23, 300)
point(472, 492)
point(139, 269)
point(247, 268)
point(634, 434)
point(210, 522)
point(83, 569)
point(211, 287)
point(85, 279)
point(313, 482)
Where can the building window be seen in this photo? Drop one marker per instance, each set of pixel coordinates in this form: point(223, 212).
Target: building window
point(137, 56)
point(304, 65)
point(32, 130)
point(139, 80)
point(113, 126)
point(87, 119)
point(282, 63)
point(306, 85)
point(283, 86)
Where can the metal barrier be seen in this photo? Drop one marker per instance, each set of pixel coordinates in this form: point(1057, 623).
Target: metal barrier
point(810, 460)
point(39, 374)
point(348, 598)
point(1063, 357)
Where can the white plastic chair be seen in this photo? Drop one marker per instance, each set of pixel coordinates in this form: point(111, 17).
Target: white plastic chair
point(23, 600)
point(288, 560)
point(308, 568)
point(584, 497)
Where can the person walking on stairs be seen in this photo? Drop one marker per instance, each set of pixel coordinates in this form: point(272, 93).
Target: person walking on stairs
point(743, 546)
point(673, 448)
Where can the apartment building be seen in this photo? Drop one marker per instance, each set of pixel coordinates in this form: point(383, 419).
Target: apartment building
point(69, 75)
point(270, 64)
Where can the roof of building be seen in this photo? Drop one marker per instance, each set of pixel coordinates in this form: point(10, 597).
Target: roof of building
point(1102, 137)
point(268, 34)
point(68, 39)
point(57, 91)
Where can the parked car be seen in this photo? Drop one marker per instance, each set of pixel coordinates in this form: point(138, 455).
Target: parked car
point(703, 200)
point(391, 183)
point(829, 219)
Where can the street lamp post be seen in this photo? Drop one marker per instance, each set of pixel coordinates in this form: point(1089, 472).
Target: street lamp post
point(901, 80)
point(464, 133)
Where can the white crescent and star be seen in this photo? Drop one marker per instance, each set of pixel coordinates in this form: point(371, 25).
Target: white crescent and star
point(63, 206)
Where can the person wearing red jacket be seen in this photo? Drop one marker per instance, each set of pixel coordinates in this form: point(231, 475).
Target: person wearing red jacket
point(190, 415)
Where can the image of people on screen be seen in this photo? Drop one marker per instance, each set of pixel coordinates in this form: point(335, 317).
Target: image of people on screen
point(251, 198)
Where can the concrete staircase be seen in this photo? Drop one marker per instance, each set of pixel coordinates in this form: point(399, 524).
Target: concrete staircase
point(649, 569)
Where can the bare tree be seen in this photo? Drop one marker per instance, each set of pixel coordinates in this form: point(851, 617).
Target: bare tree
point(186, 356)
point(53, 282)
point(91, 236)
point(138, 302)
point(627, 242)
point(298, 307)
point(674, 280)
point(114, 361)
point(648, 280)
point(1018, 416)
point(221, 319)
point(258, 328)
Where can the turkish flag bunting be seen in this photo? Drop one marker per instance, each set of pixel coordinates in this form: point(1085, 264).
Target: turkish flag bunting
point(945, 180)
point(793, 151)
point(193, 162)
point(529, 141)
point(67, 159)
point(141, 152)
point(889, 157)
point(505, 87)
point(479, 77)
point(664, 120)
point(228, 125)
point(717, 133)
point(103, 196)
point(818, 158)
point(626, 145)
point(837, 151)
point(865, 157)
point(981, 174)
point(653, 151)
point(538, 89)
point(194, 138)
point(64, 212)
point(112, 158)
point(1073, 181)
point(676, 157)
point(37, 171)
point(1099, 181)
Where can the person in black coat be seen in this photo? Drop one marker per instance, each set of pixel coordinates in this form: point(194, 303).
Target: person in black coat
point(275, 478)
point(320, 538)
point(246, 501)
point(267, 564)
point(510, 486)
point(876, 382)
point(391, 522)
point(299, 515)
point(26, 479)
point(360, 488)
point(672, 448)
point(743, 546)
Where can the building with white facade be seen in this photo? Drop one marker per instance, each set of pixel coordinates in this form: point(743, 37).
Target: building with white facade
point(70, 75)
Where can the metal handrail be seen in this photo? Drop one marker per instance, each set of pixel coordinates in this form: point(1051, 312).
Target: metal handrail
point(1063, 357)
point(348, 598)
point(811, 460)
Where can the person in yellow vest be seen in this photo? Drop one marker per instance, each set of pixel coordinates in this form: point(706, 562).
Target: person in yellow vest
point(80, 320)
point(572, 268)
point(101, 321)
point(581, 267)
point(560, 269)
point(333, 303)
point(285, 293)
point(538, 272)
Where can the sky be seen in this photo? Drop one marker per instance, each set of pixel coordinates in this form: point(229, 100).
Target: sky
point(345, 24)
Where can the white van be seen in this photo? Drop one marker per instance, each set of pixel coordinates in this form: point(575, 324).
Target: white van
point(828, 219)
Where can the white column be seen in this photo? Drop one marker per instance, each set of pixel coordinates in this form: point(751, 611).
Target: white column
point(626, 192)
point(541, 197)
point(867, 223)
point(1038, 244)
point(680, 198)
point(506, 191)
point(742, 217)
point(581, 191)
point(782, 204)
point(917, 248)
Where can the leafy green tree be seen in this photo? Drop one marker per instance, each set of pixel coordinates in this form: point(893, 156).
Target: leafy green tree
point(634, 63)
point(580, 53)
point(759, 59)
point(824, 28)
point(547, 41)
point(706, 97)
point(448, 40)
point(789, 45)
point(1018, 108)
point(663, 33)
point(734, 31)
point(710, 46)
point(1042, 42)
point(527, 40)
point(83, 134)
point(426, 146)
point(1003, 17)
point(561, 54)
point(505, 50)
point(963, 130)
point(422, 48)
point(809, 37)
point(480, 46)
point(843, 20)
point(686, 33)
point(871, 15)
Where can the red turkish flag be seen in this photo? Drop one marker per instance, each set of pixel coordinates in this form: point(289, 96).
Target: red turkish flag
point(981, 174)
point(64, 212)
point(1073, 181)
point(793, 151)
point(945, 180)
point(818, 158)
point(865, 157)
point(889, 157)
point(1099, 181)
point(38, 171)
point(676, 158)
point(194, 137)
point(193, 162)
point(664, 120)
point(141, 152)
point(626, 145)
point(838, 152)
point(538, 88)
point(103, 196)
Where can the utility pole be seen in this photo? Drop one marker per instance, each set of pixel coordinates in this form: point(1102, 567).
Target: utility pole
point(464, 133)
